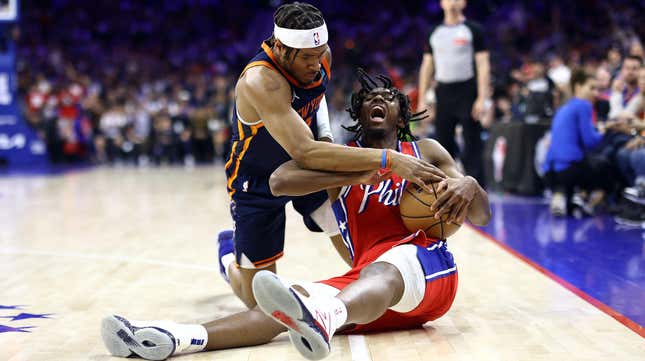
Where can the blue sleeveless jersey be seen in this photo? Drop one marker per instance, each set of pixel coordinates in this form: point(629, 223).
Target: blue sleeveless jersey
point(254, 153)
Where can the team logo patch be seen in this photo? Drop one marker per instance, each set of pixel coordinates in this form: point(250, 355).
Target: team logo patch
point(316, 38)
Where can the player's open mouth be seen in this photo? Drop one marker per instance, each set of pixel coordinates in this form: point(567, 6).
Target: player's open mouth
point(377, 114)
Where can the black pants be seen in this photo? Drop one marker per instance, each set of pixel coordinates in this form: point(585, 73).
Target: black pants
point(454, 105)
point(588, 174)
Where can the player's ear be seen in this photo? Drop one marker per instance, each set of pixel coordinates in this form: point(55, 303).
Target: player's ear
point(278, 46)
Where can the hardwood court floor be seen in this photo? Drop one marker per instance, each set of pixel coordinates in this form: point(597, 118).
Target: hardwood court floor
point(141, 243)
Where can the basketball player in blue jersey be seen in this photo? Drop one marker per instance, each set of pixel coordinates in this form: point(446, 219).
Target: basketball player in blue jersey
point(281, 114)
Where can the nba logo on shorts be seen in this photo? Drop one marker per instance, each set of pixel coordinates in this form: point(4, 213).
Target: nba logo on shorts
point(316, 39)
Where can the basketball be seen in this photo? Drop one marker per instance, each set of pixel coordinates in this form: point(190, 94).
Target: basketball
point(416, 213)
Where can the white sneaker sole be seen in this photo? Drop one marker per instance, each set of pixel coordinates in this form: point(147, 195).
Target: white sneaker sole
point(122, 339)
point(280, 303)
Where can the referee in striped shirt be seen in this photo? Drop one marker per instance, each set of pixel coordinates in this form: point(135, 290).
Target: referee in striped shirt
point(458, 58)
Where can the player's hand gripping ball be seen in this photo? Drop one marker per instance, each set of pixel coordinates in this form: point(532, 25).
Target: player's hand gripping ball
point(416, 213)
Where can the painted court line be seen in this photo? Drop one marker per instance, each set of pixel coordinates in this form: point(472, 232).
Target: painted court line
point(85, 256)
point(358, 348)
point(357, 345)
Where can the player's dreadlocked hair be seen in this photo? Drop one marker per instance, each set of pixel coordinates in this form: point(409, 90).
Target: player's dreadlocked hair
point(296, 15)
point(367, 85)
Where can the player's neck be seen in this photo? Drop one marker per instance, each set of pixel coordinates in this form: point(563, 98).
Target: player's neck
point(381, 142)
point(453, 18)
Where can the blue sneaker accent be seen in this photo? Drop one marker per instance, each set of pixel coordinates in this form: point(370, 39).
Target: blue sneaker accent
point(225, 246)
point(309, 333)
point(122, 339)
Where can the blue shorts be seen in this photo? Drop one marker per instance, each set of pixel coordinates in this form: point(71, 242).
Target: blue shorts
point(259, 219)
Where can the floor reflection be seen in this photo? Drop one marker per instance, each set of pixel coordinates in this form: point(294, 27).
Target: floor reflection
point(598, 256)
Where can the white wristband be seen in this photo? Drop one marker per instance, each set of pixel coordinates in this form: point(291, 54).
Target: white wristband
point(322, 119)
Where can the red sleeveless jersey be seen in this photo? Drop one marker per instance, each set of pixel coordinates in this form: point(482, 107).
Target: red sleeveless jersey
point(368, 215)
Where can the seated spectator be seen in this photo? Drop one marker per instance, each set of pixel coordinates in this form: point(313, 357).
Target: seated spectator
point(631, 159)
point(573, 136)
point(635, 110)
point(625, 87)
point(601, 105)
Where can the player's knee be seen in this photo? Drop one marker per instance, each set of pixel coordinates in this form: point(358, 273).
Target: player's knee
point(242, 284)
point(387, 273)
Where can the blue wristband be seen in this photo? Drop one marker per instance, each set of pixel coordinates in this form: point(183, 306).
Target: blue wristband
point(384, 158)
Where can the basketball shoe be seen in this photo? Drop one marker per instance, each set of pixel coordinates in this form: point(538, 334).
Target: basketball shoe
point(151, 340)
point(311, 320)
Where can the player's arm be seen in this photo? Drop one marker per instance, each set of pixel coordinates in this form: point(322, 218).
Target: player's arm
point(463, 196)
point(269, 95)
point(291, 180)
point(482, 65)
point(425, 78)
point(482, 62)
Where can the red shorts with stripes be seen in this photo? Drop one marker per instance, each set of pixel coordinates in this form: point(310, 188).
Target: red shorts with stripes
point(438, 297)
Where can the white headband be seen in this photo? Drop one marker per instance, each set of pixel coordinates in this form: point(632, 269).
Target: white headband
point(301, 39)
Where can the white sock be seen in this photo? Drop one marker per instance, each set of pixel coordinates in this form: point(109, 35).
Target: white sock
point(338, 312)
point(328, 305)
point(227, 259)
point(188, 338)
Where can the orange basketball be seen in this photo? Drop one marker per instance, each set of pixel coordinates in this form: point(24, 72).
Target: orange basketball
point(416, 214)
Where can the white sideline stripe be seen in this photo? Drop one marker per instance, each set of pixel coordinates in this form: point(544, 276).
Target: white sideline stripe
point(78, 255)
point(441, 272)
point(358, 348)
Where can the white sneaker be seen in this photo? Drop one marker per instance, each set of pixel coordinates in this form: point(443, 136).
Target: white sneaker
point(122, 339)
point(310, 325)
point(558, 204)
point(635, 194)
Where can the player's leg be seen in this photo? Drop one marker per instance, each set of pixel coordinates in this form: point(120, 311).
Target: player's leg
point(158, 340)
point(242, 280)
point(395, 281)
point(313, 317)
point(258, 242)
point(341, 248)
point(313, 314)
point(379, 287)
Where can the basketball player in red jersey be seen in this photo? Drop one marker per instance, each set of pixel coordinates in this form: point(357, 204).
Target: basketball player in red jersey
point(281, 114)
point(398, 280)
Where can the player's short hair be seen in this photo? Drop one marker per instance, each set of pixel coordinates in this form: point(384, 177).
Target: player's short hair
point(296, 15)
point(367, 85)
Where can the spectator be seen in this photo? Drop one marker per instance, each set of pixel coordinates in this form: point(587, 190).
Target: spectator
point(625, 88)
point(541, 91)
point(614, 60)
point(559, 73)
point(601, 105)
point(631, 158)
point(572, 138)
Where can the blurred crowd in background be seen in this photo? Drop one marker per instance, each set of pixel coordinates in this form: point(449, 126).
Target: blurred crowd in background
point(151, 82)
